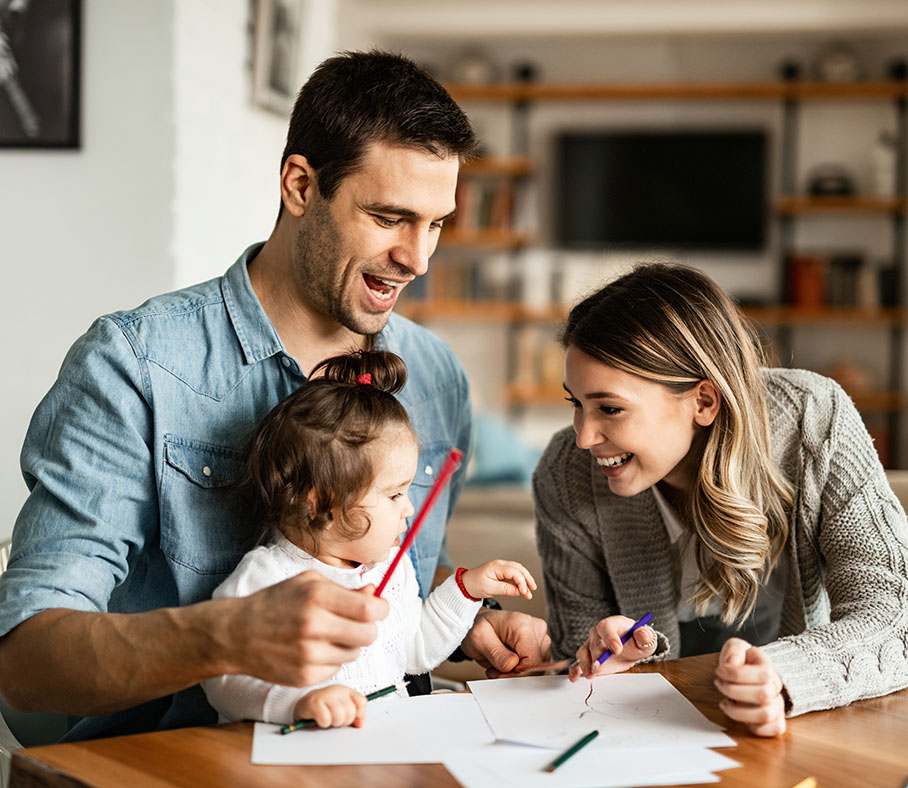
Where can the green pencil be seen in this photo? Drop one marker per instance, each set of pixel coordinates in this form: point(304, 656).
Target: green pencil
point(300, 724)
point(571, 751)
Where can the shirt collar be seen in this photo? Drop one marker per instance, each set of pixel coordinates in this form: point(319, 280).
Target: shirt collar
point(670, 517)
point(384, 337)
point(253, 327)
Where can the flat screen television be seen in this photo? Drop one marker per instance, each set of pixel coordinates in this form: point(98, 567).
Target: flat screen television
point(691, 189)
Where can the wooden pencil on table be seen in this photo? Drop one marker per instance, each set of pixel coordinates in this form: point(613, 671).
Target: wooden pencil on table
point(572, 750)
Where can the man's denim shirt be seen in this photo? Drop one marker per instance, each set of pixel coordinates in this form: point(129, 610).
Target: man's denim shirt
point(127, 455)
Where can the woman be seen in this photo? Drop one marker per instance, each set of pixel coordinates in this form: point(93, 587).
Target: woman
point(745, 507)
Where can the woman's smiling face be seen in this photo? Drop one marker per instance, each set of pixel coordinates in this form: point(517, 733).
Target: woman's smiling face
point(640, 432)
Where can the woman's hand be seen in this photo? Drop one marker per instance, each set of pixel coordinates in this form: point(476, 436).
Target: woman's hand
point(607, 635)
point(332, 707)
point(752, 688)
point(499, 578)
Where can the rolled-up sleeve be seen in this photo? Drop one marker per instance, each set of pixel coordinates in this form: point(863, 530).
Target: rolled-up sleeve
point(88, 462)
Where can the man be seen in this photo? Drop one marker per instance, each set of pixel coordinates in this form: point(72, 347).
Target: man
point(129, 527)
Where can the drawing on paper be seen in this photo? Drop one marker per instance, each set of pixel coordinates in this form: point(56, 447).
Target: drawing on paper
point(600, 704)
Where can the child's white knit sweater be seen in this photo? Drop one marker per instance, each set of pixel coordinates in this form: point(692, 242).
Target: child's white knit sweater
point(414, 638)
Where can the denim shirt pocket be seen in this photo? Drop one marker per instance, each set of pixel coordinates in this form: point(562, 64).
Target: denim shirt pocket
point(431, 534)
point(201, 526)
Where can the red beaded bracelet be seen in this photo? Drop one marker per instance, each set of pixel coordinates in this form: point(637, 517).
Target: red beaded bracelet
point(458, 576)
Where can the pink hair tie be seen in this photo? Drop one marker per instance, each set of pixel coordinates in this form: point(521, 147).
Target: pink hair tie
point(365, 379)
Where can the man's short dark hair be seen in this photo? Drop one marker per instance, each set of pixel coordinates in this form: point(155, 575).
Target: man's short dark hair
point(357, 98)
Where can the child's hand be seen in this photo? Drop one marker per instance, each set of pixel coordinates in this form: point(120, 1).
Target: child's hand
point(607, 635)
point(499, 578)
point(332, 707)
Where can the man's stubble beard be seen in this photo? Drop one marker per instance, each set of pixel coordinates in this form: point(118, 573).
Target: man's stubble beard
point(320, 272)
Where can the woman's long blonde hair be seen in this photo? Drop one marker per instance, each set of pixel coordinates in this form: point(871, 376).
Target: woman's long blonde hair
point(672, 325)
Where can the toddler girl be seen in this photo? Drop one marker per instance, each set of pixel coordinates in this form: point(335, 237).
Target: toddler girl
point(326, 477)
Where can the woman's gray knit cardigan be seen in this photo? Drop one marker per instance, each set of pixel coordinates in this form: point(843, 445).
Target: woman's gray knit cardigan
point(844, 622)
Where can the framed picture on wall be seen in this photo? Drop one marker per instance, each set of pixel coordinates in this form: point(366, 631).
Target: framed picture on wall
point(40, 73)
point(276, 56)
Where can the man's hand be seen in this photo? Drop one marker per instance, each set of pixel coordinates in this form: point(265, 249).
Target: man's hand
point(752, 688)
point(300, 631)
point(501, 640)
point(297, 633)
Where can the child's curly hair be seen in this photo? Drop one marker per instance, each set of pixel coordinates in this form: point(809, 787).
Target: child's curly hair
point(306, 468)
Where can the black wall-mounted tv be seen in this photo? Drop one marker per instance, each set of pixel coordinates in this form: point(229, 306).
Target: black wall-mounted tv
point(691, 189)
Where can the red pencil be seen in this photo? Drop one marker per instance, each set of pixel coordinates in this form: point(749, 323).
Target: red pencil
point(451, 465)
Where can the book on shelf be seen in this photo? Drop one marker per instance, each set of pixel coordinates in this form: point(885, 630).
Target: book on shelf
point(484, 204)
point(464, 278)
point(539, 362)
point(830, 278)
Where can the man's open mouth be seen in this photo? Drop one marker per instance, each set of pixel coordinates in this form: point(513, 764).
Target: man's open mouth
point(382, 288)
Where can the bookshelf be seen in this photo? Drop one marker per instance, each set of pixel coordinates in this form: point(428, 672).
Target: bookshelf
point(538, 383)
point(795, 205)
point(490, 195)
point(484, 238)
point(648, 91)
point(831, 287)
point(785, 315)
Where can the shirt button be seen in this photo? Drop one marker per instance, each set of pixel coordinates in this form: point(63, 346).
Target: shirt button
point(428, 470)
point(206, 470)
point(285, 361)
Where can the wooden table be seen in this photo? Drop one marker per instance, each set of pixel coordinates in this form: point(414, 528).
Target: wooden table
point(863, 745)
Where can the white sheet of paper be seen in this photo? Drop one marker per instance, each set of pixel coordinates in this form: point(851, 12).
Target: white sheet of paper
point(512, 765)
point(423, 729)
point(629, 709)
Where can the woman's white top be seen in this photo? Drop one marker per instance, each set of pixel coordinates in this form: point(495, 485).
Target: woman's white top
point(769, 597)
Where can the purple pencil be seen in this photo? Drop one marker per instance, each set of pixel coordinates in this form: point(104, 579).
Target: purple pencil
point(627, 636)
point(624, 638)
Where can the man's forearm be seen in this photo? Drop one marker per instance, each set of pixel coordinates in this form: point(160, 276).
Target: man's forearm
point(82, 663)
point(295, 633)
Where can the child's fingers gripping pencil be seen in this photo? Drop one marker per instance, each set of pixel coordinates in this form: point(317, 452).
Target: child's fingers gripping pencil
point(451, 464)
point(301, 724)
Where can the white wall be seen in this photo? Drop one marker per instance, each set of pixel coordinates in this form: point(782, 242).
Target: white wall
point(177, 174)
point(227, 151)
point(86, 232)
point(522, 19)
